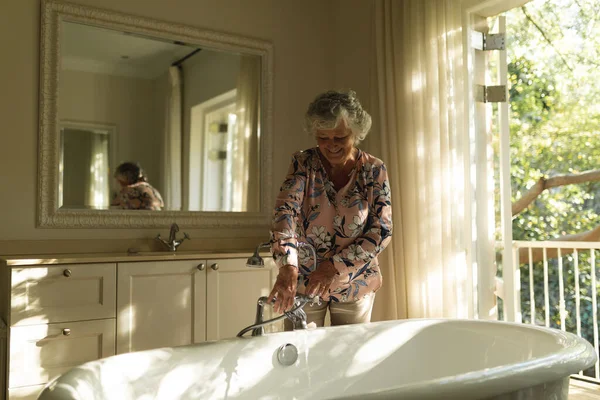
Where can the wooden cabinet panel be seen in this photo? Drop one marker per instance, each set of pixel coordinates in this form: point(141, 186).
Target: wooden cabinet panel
point(160, 304)
point(38, 353)
point(232, 292)
point(62, 293)
point(25, 393)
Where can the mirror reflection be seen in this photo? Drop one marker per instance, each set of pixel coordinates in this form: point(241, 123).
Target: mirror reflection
point(188, 118)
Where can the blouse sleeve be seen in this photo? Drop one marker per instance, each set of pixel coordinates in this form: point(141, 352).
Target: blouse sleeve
point(285, 217)
point(377, 233)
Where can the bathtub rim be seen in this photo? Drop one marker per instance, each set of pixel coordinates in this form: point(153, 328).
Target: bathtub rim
point(576, 354)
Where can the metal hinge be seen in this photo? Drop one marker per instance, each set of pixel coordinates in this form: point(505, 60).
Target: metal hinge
point(490, 94)
point(488, 41)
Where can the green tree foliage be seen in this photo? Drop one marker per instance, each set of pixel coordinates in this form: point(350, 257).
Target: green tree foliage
point(554, 75)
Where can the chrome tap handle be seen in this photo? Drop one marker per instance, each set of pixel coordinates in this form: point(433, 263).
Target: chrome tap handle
point(160, 239)
point(298, 318)
point(311, 300)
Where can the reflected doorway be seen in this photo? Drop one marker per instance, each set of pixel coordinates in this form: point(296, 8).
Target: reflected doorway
point(213, 130)
point(86, 156)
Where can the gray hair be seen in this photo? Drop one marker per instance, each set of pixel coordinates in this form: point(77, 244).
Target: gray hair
point(132, 172)
point(329, 108)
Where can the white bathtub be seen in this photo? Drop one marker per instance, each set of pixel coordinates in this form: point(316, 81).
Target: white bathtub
point(411, 359)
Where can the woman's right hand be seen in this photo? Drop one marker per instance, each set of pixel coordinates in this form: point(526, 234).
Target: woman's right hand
point(284, 291)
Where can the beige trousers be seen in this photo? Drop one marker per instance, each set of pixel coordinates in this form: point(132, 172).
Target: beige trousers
point(354, 312)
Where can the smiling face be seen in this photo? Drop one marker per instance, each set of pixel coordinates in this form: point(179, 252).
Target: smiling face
point(336, 144)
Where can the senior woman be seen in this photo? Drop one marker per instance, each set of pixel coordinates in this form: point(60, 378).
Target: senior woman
point(136, 193)
point(335, 197)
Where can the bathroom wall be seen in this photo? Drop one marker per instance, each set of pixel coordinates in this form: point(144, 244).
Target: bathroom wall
point(206, 75)
point(120, 101)
point(317, 45)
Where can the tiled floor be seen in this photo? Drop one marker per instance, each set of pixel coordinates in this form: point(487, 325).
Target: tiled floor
point(582, 390)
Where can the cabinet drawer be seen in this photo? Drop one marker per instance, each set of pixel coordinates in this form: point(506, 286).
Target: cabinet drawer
point(38, 353)
point(63, 293)
point(25, 393)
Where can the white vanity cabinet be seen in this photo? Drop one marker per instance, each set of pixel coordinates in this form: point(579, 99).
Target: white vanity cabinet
point(59, 316)
point(232, 292)
point(62, 312)
point(165, 304)
point(160, 304)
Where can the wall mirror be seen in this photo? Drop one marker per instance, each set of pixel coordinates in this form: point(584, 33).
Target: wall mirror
point(191, 108)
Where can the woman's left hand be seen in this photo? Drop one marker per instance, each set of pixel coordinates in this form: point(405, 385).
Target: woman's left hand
point(320, 280)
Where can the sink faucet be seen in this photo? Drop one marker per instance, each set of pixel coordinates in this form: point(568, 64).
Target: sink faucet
point(173, 243)
point(296, 314)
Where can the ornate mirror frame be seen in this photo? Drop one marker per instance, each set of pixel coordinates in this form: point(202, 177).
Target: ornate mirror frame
point(53, 12)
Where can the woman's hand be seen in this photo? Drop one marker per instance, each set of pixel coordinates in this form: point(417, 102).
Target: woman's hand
point(320, 280)
point(284, 290)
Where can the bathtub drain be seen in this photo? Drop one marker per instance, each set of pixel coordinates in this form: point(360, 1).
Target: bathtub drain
point(287, 354)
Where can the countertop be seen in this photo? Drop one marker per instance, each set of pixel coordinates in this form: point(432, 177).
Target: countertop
point(50, 259)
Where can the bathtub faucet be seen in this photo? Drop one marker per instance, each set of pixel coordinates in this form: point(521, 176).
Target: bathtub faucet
point(296, 315)
point(256, 261)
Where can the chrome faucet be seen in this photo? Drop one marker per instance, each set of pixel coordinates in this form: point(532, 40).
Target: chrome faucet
point(296, 315)
point(256, 261)
point(173, 243)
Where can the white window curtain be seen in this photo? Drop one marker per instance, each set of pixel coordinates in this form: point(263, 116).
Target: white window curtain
point(98, 178)
point(419, 98)
point(246, 162)
point(171, 160)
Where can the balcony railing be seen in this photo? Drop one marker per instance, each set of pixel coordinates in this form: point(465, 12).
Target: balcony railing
point(557, 287)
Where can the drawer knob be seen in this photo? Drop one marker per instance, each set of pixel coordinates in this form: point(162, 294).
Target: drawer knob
point(215, 266)
point(66, 331)
point(67, 273)
point(201, 267)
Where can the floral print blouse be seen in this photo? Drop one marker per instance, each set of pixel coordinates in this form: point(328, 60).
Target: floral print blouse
point(350, 226)
point(139, 196)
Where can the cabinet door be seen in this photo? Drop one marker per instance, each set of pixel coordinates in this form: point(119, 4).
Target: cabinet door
point(160, 304)
point(38, 353)
point(233, 290)
point(62, 293)
point(25, 393)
